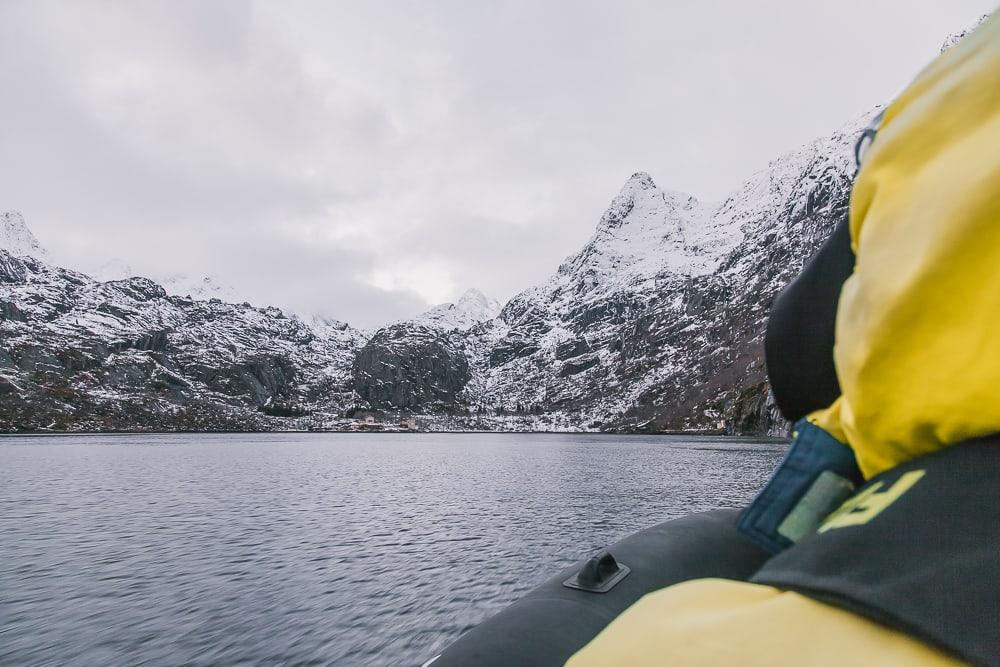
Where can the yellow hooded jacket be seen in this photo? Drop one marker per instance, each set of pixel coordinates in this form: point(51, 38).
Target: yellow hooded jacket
point(917, 355)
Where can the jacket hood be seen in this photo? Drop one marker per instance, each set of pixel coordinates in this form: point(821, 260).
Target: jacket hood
point(917, 339)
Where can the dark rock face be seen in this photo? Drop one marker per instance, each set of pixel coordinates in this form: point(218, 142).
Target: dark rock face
point(153, 341)
point(511, 348)
point(12, 269)
point(262, 378)
point(411, 368)
point(571, 348)
point(10, 311)
point(578, 365)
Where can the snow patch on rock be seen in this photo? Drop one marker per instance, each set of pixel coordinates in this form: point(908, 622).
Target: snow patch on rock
point(17, 239)
point(471, 308)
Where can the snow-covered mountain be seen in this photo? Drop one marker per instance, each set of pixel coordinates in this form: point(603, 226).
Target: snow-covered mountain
point(178, 284)
point(17, 239)
point(656, 324)
point(77, 353)
point(205, 287)
point(644, 232)
point(471, 308)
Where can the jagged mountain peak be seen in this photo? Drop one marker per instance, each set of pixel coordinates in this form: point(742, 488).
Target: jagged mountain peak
point(644, 232)
point(469, 310)
point(473, 299)
point(640, 180)
point(17, 239)
point(638, 197)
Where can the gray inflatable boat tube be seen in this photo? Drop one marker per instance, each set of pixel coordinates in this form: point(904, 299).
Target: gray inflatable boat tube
point(559, 617)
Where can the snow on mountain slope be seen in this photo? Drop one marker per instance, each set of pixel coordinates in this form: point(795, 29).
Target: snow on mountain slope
point(471, 308)
point(645, 231)
point(200, 289)
point(81, 354)
point(657, 323)
point(17, 239)
point(177, 284)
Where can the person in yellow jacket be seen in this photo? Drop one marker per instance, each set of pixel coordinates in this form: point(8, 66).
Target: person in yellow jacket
point(907, 570)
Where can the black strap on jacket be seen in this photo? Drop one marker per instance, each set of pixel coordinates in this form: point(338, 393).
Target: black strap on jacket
point(800, 330)
point(916, 549)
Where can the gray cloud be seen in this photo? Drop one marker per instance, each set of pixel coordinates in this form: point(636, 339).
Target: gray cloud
point(364, 159)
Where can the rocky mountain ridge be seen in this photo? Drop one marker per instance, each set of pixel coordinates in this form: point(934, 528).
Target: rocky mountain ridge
point(471, 308)
point(80, 354)
point(656, 324)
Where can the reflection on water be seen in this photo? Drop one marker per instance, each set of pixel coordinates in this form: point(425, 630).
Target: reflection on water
point(317, 549)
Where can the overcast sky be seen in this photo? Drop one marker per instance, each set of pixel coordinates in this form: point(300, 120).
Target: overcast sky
point(365, 159)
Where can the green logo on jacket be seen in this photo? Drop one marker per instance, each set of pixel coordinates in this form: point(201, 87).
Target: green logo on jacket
point(871, 502)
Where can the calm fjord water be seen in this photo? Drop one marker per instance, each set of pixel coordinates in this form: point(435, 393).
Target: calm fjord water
point(317, 549)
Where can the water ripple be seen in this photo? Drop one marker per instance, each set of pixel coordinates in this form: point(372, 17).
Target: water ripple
point(316, 549)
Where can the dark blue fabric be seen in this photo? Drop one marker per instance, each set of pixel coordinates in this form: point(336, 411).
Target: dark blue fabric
point(813, 451)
